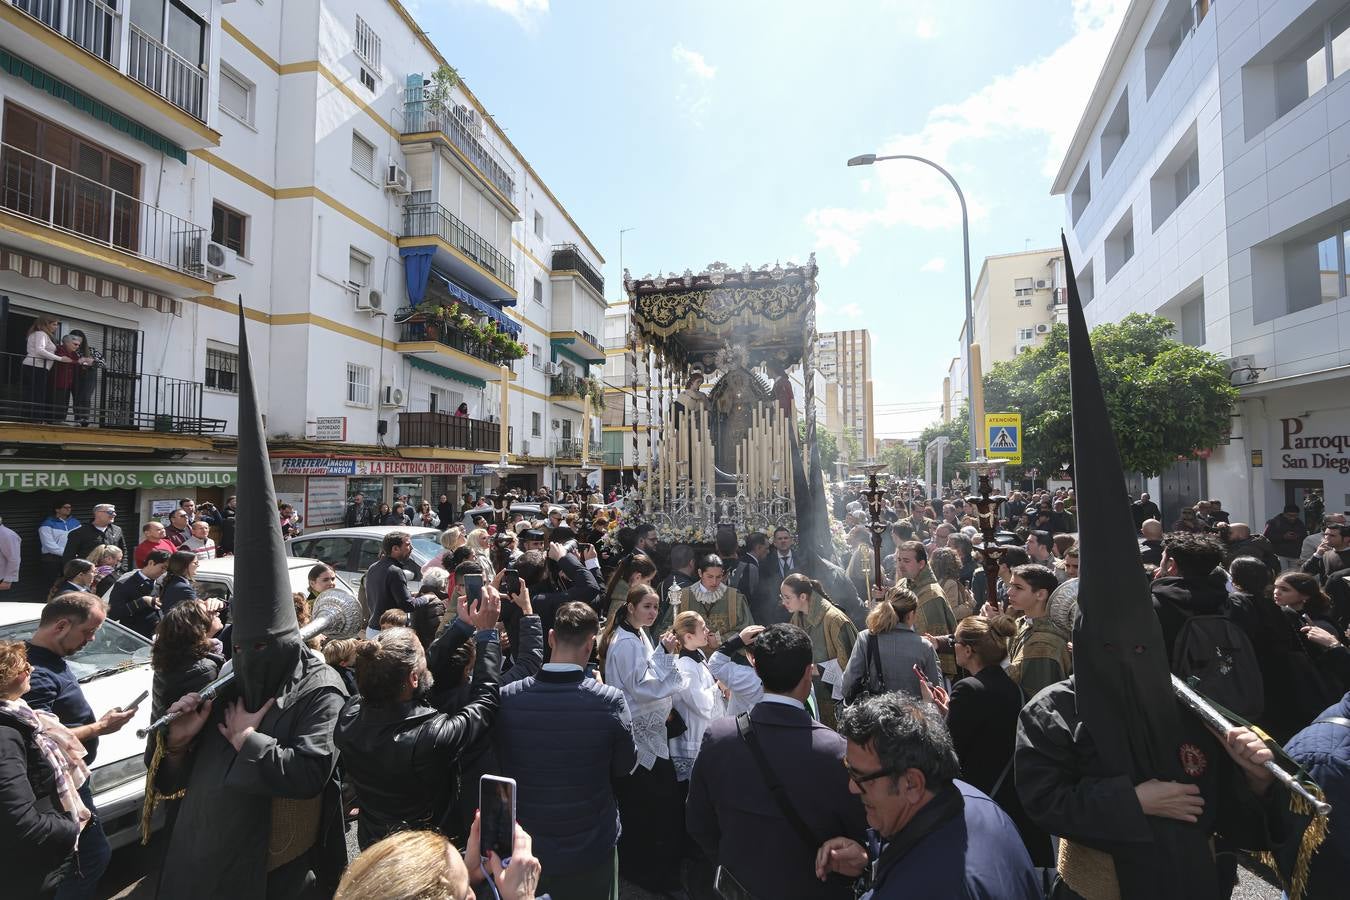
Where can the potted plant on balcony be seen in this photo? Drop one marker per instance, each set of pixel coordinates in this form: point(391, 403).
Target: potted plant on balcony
point(594, 390)
point(439, 99)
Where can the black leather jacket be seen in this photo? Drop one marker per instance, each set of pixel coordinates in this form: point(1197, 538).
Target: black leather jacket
point(403, 758)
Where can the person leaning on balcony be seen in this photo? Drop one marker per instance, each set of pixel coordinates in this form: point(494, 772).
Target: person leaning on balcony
point(61, 380)
point(35, 375)
point(86, 378)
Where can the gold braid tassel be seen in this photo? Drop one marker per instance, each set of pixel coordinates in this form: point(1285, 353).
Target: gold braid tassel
point(152, 796)
point(1311, 839)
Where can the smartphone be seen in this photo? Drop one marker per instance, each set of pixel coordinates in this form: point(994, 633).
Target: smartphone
point(923, 679)
point(497, 816)
point(510, 581)
point(473, 587)
point(137, 702)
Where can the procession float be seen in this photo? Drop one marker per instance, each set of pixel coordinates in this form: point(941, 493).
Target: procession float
point(713, 351)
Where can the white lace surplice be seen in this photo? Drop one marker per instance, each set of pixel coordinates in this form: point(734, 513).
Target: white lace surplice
point(649, 679)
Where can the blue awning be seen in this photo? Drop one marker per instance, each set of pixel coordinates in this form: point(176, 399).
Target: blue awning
point(418, 270)
point(451, 374)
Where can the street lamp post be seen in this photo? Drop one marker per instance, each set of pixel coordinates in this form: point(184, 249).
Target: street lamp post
point(868, 159)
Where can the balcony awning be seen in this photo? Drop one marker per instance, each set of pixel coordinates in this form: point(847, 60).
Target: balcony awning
point(418, 271)
point(21, 68)
point(471, 381)
point(77, 279)
point(560, 348)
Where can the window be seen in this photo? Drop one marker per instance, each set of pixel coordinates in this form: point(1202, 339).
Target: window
point(1087, 286)
point(1176, 179)
point(236, 94)
point(1026, 334)
point(1082, 195)
point(1174, 26)
point(1023, 287)
point(363, 157)
point(367, 80)
point(536, 357)
point(1193, 322)
point(186, 34)
point(222, 369)
point(358, 268)
point(358, 384)
point(1120, 244)
point(1308, 56)
point(536, 424)
point(367, 44)
point(229, 228)
point(538, 292)
point(1115, 132)
point(538, 225)
point(1023, 301)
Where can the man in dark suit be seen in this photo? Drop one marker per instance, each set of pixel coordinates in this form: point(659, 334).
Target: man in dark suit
point(102, 530)
point(732, 813)
point(1144, 508)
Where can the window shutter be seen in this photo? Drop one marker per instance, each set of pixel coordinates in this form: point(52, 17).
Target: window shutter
point(363, 155)
point(234, 95)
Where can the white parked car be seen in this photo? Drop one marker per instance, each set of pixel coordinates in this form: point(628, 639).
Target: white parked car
point(350, 551)
point(113, 670)
point(215, 577)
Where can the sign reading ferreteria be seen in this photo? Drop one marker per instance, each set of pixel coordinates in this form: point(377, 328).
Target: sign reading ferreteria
point(361, 468)
point(59, 477)
point(1308, 451)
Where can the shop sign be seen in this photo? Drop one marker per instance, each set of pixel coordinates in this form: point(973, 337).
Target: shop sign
point(411, 467)
point(1305, 447)
point(481, 469)
point(325, 501)
point(330, 428)
point(37, 477)
point(304, 465)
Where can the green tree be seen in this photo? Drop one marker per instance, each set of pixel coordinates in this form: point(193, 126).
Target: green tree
point(1166, 400)
point(902, 461)
point(825, 441)
point(957, 434)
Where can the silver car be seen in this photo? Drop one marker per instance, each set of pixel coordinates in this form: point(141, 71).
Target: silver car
point(351, 551)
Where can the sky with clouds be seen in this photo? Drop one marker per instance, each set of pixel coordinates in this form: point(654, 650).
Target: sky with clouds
point(719, 131)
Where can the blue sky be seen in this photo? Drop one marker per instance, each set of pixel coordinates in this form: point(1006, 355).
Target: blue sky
point(719, 131)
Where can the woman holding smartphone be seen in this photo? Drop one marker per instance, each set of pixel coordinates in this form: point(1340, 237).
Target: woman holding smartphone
point(651, 842)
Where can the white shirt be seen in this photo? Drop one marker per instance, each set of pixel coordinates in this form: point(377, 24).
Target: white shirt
point(783, 699)
point(699, 705)
point(743, 681)
point(649, 680)
point(205, 548)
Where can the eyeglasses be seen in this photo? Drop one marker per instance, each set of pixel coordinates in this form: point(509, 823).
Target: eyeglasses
point(860, 778)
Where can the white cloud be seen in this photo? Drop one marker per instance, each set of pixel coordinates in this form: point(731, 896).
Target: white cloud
point(925, 28)
point(1040, 99)
point(850, 311)
point(693, 62)
point(936, 264)
point(526, 12)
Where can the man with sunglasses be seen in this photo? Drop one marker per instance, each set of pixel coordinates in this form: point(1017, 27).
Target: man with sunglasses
point(101, 531)
point(932, 834)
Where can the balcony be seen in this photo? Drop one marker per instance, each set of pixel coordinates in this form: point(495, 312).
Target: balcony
point(42, 192)
point(438, 429)
point(570, 448)
point(109, 396)
point(169, 92)
point(480, 357)
point(568, 258)
point(462, 127)
point(483, 268)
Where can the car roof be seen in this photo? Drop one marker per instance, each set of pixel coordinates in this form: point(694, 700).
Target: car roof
point(225, 565)
point(12, 612)
point(376, 531)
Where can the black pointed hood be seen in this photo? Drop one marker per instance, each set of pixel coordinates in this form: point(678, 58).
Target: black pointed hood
point(1122, 676)
point(265, 633)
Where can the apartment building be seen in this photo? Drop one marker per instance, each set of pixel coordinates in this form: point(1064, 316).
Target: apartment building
point(845, 357)
point(396, 255)
point(1207, 182)
point(1017, 299)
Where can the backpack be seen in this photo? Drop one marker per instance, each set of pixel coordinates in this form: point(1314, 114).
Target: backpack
point(1213, 655)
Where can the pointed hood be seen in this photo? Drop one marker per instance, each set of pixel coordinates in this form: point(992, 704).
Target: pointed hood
point(265, 633)
point(1122, 676)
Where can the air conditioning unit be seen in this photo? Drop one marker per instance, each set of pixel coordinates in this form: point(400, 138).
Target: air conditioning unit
point(551, 368)
point(368, 301)
point(391, 396)
point(1043, 329)
point(220, 261)
point(396, 179)
point(1042, 284)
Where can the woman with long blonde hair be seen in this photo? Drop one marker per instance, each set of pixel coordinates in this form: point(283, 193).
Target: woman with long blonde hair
point(700, 703)
point(35, 372)
point(650, 843)
point(887, 652)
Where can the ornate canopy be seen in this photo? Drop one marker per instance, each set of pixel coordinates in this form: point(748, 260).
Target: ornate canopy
point(764, 315)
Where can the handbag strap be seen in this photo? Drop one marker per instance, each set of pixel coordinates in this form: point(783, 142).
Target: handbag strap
point(776, 789)
point(874, 659)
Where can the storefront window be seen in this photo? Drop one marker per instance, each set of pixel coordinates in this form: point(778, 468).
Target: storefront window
point(370, 489)
point(413, 488)
point(443, 484)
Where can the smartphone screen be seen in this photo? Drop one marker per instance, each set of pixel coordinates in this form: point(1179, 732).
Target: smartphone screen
point(473, 587)
point(497, 815)
point(511, 581)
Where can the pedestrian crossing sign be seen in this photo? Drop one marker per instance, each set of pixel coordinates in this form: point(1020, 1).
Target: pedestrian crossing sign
point(1003, 436)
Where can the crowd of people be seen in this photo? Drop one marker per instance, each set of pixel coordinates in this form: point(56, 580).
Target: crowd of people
point(741, 720)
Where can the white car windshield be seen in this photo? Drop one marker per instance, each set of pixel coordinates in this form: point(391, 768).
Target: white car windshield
point(113, 649)
point(425, 546)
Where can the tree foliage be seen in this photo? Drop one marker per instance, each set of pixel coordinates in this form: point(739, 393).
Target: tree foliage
point(901, 461)
point(957, 434)
point(1166, 400)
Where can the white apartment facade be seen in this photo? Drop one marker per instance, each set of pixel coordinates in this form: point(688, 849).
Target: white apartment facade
point(1208, 182)
point(157, 166)
point(845, 358)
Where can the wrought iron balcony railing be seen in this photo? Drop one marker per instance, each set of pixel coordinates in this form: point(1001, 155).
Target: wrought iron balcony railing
point(463, 130)
point(568, 257)
point(438, 429)
point(431, 219)
point(417, 331)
